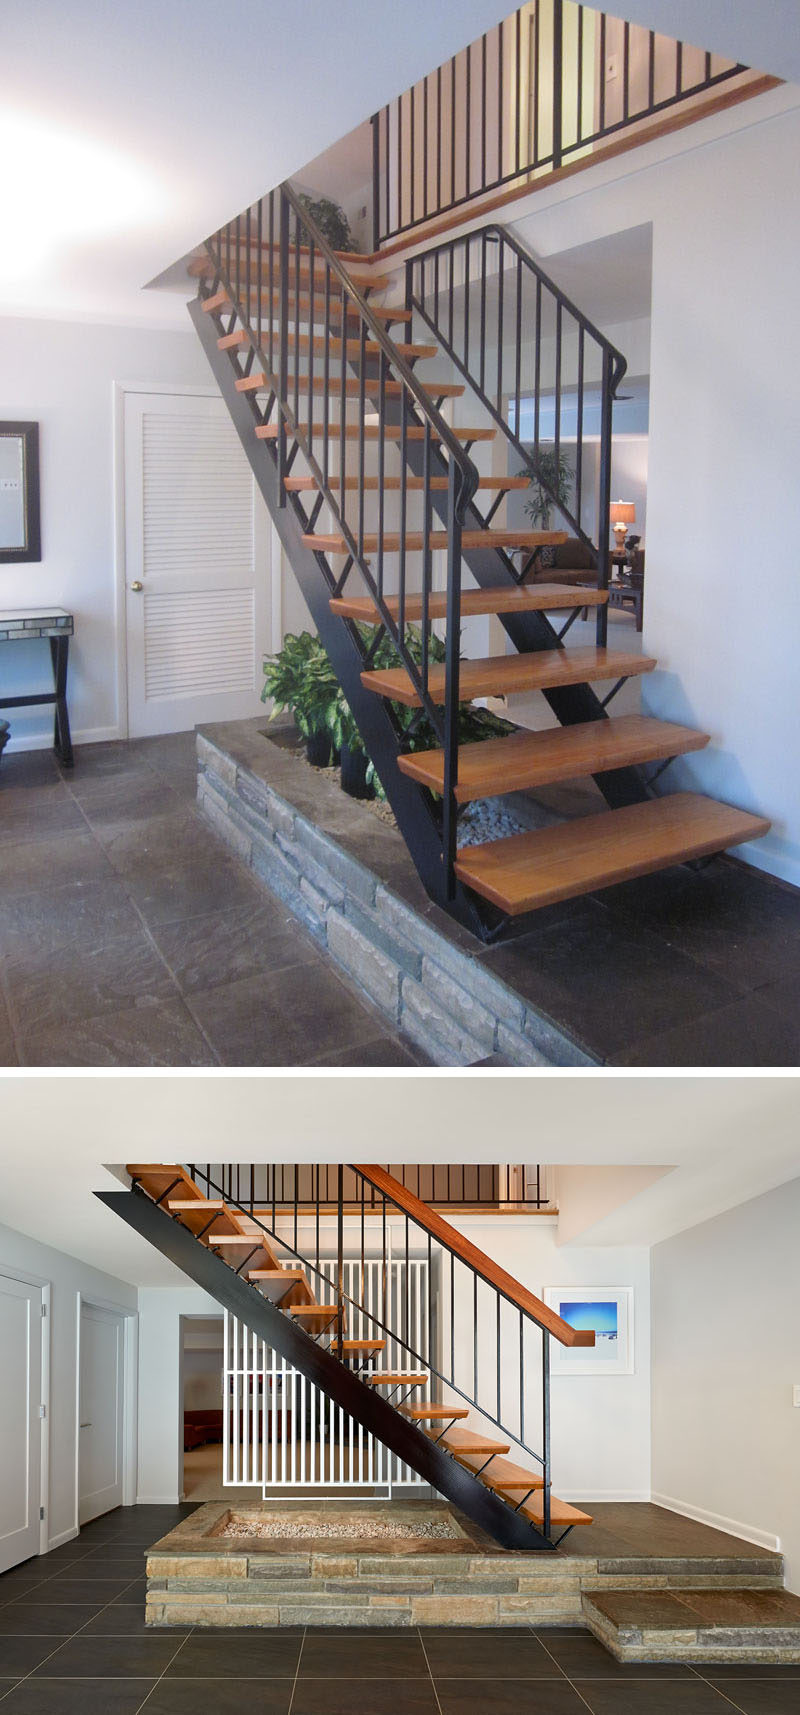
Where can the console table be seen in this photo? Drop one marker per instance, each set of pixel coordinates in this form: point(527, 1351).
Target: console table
point(25, 624)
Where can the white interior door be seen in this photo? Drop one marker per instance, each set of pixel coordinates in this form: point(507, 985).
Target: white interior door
point(100, 1397)
point(196, 566)
point(20, 1428)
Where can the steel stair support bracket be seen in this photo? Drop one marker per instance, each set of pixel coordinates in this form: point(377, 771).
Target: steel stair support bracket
point(412, 809)
point(361, 1401)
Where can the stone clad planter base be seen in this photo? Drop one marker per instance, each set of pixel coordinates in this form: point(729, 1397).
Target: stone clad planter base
point(347, 876)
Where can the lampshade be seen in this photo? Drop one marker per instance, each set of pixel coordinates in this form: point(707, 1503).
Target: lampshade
point(622, 512)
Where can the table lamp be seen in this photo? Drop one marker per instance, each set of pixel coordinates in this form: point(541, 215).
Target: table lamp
point(622, 513)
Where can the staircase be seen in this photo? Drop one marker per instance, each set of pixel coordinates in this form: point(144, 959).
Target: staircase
point(472, 1443)
point(391, 529)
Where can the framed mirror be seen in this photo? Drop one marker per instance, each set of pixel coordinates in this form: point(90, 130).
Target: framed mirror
point(20, 530)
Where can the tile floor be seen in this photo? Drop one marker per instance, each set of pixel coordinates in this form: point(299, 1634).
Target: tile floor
point(73, 1642)
point(129, 936)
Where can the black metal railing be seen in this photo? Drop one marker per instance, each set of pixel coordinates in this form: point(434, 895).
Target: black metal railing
point(445, 1185)
point(487, 1343)
point(282, 282)
point(543, 88)
point(546, 374)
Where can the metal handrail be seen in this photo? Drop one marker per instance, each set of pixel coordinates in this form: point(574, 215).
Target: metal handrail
point(424, 267)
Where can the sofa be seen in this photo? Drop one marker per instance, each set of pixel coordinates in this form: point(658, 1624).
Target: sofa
point(569, 562)
point(201, 1428)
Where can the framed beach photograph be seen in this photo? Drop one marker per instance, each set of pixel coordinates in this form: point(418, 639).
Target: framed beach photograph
point(606, 1309)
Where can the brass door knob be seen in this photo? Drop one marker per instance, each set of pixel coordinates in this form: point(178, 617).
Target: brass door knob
point(137, 585)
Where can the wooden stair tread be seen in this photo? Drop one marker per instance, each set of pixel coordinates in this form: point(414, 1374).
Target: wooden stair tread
point(415, 541)
point(315, 1315)
point(503, 675)
point(198, 1203)
point(202, 268)
point(505, 598)
point(372, 432)
point(495, 484)
point(359, 1345)
point(560, 1511)
point(502, 1474)
point(352, 387)
point(233, 1238)
point(459, 1440)
point(434, 1413)
point(394, 1377)
point(550, 864)
point(526, 759)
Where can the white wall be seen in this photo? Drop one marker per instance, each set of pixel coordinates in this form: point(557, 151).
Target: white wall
point(722, 598)
point(600, 1424)
point(202, 1375)
point(61, 375)
point(69, 1280)
point(160, 1476)
point(726, 1438)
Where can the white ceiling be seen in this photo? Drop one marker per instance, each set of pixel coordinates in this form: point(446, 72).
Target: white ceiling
point(727, 1139)
point(129, 132)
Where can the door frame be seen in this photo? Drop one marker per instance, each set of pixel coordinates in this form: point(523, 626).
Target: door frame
point(271, 547)
point(25, 1278)
point(130, 1360)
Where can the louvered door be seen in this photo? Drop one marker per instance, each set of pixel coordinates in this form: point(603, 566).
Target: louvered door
point(196, 572)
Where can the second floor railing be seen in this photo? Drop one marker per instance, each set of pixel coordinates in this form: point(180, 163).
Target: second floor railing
point(286, 1186)
point(547, 85)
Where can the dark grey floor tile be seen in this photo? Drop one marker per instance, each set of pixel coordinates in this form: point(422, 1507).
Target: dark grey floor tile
point(781, 995)
point(43, 1618)
point(159, 1035)
point(581, 1657)
point(86, 913)
point(652, 1697)
point(192, 887)
point(225, 946)
point(78, 1697)
point(745, 1033)
point(19, 1656)
point(8, 1057)
point(36, 865)
point(726, 917)
point(718, 1671)
point(140, 847)
point(761, 1696)
point(45, 988)
point(74, 1592)
point(384, 1656)
point(41, 813)
point(125, 1620)
point(271, 1655)
point(508, 1697)
point(384, 1051)
point(26, 769)
point(503, 1654)
point(220, 1697)
point(364, 1697)
point(86, 1657)
point(124, 1565)
point(609, 984)
point(113, 813)
point(97, 761)
point(260, 1023)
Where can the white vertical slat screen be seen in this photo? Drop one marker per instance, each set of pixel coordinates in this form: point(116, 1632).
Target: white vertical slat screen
point(281, 1431)
point(197, 529)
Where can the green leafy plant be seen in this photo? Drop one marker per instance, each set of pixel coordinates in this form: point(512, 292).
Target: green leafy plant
point(554, 482)
point(300, 679)
point(331, 220)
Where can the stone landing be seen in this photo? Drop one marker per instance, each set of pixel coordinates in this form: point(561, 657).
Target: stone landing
point(751, 1625)
point(196, 1576)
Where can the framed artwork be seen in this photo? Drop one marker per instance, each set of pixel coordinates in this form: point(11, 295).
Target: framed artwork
point(606, 1309)
point(20, 530)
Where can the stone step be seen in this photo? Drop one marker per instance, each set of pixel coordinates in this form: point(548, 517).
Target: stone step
point(747, 1625)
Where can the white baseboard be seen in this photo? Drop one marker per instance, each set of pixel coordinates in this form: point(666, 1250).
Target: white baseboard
point(44, 740)
point(718, 1521)
point(156, 1500)
point(63, 1536)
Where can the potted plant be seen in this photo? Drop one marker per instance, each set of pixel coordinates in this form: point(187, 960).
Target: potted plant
point(331, 220)
point(300, 679)
point(552, 483)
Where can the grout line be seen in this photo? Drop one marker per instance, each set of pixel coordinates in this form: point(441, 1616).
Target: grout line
point(165, 1669)
point(430, 1669)
point(297, 1669)
point(562, 1670)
